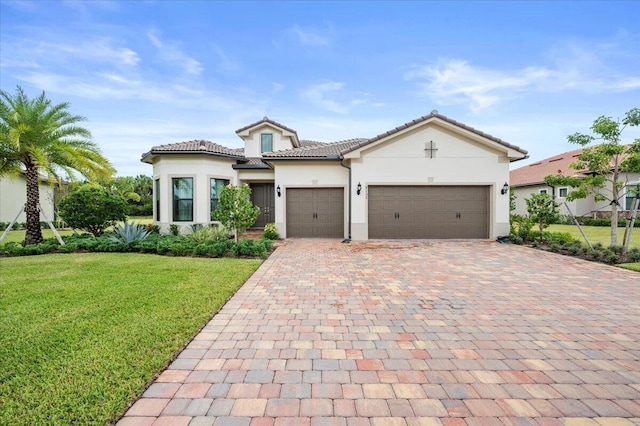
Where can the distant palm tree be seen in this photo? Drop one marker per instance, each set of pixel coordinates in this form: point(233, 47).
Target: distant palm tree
point(39, 138)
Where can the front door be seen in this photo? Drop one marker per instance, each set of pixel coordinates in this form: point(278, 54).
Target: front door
point(262, 195)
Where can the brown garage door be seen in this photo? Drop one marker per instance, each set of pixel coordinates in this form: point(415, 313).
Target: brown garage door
point(315, 212)
point(428, 211)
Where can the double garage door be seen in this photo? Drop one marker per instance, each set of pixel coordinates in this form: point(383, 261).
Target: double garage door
point(428, 212)
point(315, 212)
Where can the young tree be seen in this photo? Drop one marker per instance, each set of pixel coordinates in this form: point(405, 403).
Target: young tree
point(543, 210)
point(93, 208)
point(39, 138)
point(235, 210)
point(605, 165)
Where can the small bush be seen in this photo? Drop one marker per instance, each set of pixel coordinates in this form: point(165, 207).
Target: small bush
point(174, 229)
point(521, 226)
point(633, 255)
point(212, 233)
point(128, 233)
point(271, 232)
point(250, 248)
point(93, 209)
point(152, 229)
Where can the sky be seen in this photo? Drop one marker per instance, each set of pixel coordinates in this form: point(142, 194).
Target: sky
point(147, 73)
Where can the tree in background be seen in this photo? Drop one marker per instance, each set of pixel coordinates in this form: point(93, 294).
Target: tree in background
point(235, 209)
point(43, 139)
point(605, 165)
point(543, 210)
point(93, 208)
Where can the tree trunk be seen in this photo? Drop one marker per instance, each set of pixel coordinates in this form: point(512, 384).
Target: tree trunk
point(34, 233)
point(614, 205)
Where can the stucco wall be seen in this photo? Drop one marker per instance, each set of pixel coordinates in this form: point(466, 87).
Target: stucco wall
point(252, 146)
point(201, 169)
point(584, 207)
point(457, 161)
point(308, 174)
point(13, 195)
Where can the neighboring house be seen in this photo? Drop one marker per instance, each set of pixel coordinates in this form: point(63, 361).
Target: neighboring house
point(529, 180)
point(429, 178)
point(13, 196)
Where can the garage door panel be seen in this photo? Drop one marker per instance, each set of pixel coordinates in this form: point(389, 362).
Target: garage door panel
point(315, 212)
point(428, 212)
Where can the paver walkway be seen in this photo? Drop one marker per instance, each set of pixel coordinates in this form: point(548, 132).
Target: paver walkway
point(412, 333)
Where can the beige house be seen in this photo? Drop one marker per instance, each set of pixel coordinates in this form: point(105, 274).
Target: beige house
point(13, 196)
point(432, 177)
point(529, 180)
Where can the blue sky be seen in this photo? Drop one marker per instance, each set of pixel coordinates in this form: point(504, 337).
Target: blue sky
point(153, 72)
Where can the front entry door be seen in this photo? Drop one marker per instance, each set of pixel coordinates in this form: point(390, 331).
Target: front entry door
point(262, 195)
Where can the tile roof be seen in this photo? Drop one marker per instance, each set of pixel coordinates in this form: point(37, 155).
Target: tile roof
point(270, 121)
point(534, 173)
point(433, 114)
point(321, 150)
point(251, 163)
point(199, 145)
point(308, 149)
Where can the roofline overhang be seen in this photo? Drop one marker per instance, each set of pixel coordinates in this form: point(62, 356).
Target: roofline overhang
point(244, 132)
point(151, 154)
point(513, 152)
point(251, 167)
point(518, 159)
point(334, 157)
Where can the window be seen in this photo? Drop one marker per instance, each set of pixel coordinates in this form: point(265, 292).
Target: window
point(156, 194)
point(215, 188)
point(562, 192)
point(182, 199)
point(543, 191)
point(266, 142)
point(631, 196)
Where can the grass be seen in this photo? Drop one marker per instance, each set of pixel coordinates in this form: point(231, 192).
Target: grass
point(81, 335)
point(18, 236)
point(596, 234)
point(601, 234)
point(630, 266)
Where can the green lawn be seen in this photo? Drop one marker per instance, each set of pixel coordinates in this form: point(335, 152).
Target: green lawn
point(630, 266)
point(18, 236)
point(82, 334)
point(597, 234)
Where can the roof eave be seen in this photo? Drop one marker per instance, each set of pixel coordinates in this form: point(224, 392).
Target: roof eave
point(148, 157)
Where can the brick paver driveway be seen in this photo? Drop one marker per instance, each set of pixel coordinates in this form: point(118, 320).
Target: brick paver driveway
point(395, 333)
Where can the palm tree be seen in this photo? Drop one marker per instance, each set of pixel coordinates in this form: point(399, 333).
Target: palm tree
point(38, 139)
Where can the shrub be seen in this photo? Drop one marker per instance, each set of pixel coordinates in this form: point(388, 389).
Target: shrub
point(93, 209)
point(633, 255)
point(521, 226)
point(250, 248)
point(543, 210)
point(152, 229)
point(174, 229)
point(271, 232)
point(212, 233)
point(128, 233)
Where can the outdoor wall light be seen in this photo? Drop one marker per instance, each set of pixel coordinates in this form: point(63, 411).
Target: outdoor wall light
point(358, 188)
point(505, 188)
point(278, 191)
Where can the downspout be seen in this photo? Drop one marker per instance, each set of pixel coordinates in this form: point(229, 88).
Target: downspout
point(348, 239)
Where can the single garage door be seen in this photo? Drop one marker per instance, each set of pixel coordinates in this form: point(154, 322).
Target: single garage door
point(428, 212)
point(315, 212)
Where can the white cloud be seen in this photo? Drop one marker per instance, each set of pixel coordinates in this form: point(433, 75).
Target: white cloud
point(313, 37)
point(170, 52)
point(454, 81)
point(332, 96)
point(276, 87)
point(570, 66)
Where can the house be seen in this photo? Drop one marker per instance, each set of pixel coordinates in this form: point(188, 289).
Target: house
point(432, 177)
point(13, 196)
point(529, 180)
